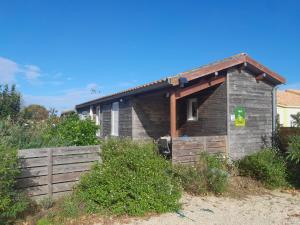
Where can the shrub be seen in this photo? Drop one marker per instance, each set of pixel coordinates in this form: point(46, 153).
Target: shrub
point(70, 130)
point(133, 179)
point(293, 160)
point(266, 166)
point(12, 202)
point(46, 203)
point(294, 149)
point(54, 132)
point(207, 175)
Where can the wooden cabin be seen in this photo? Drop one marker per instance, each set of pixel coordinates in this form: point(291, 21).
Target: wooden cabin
point(227, 106)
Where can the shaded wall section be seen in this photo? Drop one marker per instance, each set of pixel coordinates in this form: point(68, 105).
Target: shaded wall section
point(150, 116)
point(212, 113)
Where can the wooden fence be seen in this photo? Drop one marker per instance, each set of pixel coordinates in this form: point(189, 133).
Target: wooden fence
point(53, 172)
point(188, 149)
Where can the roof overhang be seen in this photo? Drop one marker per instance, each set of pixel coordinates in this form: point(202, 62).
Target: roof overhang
point(242, 60)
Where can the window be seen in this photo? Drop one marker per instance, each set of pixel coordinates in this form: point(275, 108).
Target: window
point(192, 109)
point(98, 120)
point(115, 119)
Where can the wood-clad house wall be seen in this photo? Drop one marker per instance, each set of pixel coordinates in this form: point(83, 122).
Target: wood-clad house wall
point(212, 113)
point(150, 116)
point(256, 98)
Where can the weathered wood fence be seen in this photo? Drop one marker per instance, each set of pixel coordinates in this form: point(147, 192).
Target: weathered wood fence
point(188, 149)
point(54, 171)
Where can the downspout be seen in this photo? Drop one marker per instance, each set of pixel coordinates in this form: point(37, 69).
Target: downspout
point(274, 114)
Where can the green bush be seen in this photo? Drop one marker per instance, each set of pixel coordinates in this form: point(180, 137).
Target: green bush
point(12, 202)
point(266, 166)
point(55, 132)
point(133, 179)
point(294, 149)
point(207, 175)
point(70, 130)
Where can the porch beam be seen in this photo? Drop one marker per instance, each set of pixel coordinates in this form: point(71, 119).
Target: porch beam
point(199, 87)
point(173, 125)
point(260, 77)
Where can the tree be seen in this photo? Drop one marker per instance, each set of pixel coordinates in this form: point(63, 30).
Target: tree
point(296, 119)
point(35, 112)
point(10, 102)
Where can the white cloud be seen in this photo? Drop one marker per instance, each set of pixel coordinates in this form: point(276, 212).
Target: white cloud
point(64, 100)
point(8, 70)
point(32, 72)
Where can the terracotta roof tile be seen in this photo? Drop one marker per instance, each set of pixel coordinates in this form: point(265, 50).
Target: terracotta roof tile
point(288, 98)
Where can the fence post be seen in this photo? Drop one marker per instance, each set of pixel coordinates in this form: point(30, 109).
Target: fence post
point(205, 144)
point(50, 171)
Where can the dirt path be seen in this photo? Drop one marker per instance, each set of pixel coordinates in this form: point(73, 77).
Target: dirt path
point(275, 208)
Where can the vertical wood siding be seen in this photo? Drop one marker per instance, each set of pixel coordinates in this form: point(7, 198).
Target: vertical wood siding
point(256, 98)
point(150, 116)
point(212, 113)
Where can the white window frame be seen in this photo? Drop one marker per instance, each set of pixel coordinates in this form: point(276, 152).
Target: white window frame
point(98, 120)
point(115, 119)
point(91, 113)
point(190, 116)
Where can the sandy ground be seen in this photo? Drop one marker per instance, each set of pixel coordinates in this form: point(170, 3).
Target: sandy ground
point(275, 208)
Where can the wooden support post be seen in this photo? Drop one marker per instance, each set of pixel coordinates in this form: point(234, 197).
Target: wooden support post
point(173, 129)
point(50, 171)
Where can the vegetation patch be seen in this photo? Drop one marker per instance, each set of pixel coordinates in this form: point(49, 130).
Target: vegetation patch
point(209, 174)
point(133, 179)
point(12, 202)
point(266, 166)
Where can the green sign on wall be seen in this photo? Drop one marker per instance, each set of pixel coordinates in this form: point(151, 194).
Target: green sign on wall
point(240, 116)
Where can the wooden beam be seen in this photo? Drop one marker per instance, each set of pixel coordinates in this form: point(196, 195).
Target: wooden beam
point(260, 77)
point(173, 125)
point(242, 59)
point(199, 87)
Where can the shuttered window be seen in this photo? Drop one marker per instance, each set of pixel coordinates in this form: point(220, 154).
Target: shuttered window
point(115, 119)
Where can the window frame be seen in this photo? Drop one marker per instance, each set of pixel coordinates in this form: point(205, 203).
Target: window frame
point(190, 116)
point(115, 109)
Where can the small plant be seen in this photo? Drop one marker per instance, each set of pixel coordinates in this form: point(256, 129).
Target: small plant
point(294, 149)
point(209, 174)
point(44, 221)
point(70, 207)
point(46, 203)
point(266, 166)
point(132, 180)
point(12, 202)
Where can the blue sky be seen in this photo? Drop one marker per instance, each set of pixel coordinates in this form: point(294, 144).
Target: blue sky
point(57, 51)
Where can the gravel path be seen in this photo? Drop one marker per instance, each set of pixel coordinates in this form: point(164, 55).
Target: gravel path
point(275, 208)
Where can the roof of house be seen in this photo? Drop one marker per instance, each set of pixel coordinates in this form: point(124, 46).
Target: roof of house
point(297, 92)
point(239, 59)
point(288, 98)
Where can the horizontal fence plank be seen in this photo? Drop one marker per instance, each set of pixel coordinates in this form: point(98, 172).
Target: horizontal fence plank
point(76, 150)
point(32, 181)
point(65, 177)
point(34, 172)
point(78, 167)
point(67, 186)
point(187, 149)
point(33, 153)
point(37, 190)
point(67, 159)
point(33, 162)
